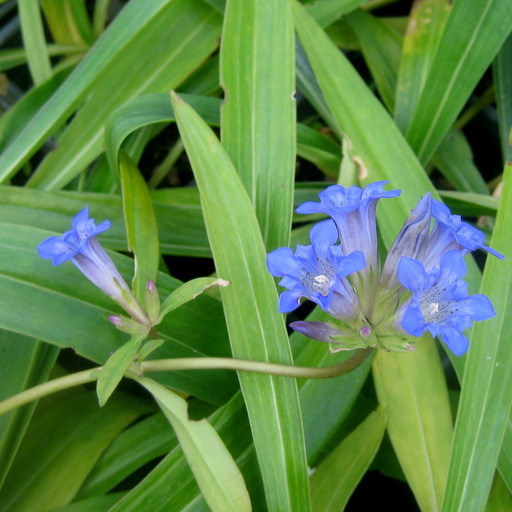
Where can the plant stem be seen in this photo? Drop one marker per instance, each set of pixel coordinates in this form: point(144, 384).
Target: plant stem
point(226, 363)
point(190, 363)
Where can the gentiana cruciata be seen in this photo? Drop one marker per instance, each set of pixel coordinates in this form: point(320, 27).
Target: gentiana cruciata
point(418, 288)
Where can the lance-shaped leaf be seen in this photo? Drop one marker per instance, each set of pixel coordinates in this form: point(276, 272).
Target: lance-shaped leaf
point(485, 400)
point(124, 28)
point(258, 116)
point(215, 470)
point(115, 368)
point(472, 36)
point(256, 329)
point(337, 476)
point(141, 227)
point(188, 291)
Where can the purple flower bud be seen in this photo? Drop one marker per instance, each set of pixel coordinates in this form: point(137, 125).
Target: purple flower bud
point(152, 302)
point(128, 325)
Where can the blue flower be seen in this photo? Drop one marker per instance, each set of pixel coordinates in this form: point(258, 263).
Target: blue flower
point(81, 247)
point(411, 242)
point(440, 301)
point(451, 233)
point(74, 241)
point(317, 272)
point(353, 211)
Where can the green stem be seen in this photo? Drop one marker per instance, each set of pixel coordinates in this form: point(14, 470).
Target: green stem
point(284, 370)
point(190, 363)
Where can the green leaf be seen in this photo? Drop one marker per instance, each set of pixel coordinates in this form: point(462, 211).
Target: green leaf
point(96, 504)
point(472, 36)
point(34, 41)
point(68, 21)
point(425, 26)
point(454, 159)
point(469, 204)
point(502, 76)
point(381, 45)
point(27, 362)
point(419, 419)
point(337, 476)
point(158, 58)
point(256, 328)
point(151, 109)
point(189, 291)
point(325, 12)
point(115, 368)
point(485, 401)
point(258, 117)
point(341, 391)
point(319, 149)
point(154, 493)
point(65, 438)
point(215, 470)
point(141, 227)
point(126, 25)
point(131, 449)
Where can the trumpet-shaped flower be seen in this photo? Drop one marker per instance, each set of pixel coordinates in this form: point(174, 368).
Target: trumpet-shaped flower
point(317, 272)
point(440, 302)
point(81, 247)
point(353, 211)
point(452, 233)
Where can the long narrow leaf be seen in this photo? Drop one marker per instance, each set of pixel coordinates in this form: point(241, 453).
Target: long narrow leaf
point(425, 26)
point(486, 399)
point(419, 423)
point(141, 227)
point(216, 473)
point(473, 34)
point(62, 104)
point(337, 476)
point(258, 116)
point(34, 41)
point(158, 58)
point(256, 329)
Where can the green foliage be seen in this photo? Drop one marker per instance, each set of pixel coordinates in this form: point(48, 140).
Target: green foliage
point(179, 122)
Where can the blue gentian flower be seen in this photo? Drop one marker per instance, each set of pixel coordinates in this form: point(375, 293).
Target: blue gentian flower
point(412, 241)
point(317, 272)
point(81, 247)
point(440, 302)
point(353, 211)
point(383, 308)
point(450, 232)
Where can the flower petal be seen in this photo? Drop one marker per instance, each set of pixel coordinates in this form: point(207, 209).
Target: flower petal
point(412, 274)
point(455, 340)
point(55, 249)
point(413, 321)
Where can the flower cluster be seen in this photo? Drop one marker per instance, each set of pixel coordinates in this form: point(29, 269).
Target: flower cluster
point(419, 287)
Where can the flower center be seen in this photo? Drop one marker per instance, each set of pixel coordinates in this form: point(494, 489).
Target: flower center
point(322, 284)
point(433, 308)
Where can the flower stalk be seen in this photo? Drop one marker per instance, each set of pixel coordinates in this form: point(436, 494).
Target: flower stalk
point(190, 363)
